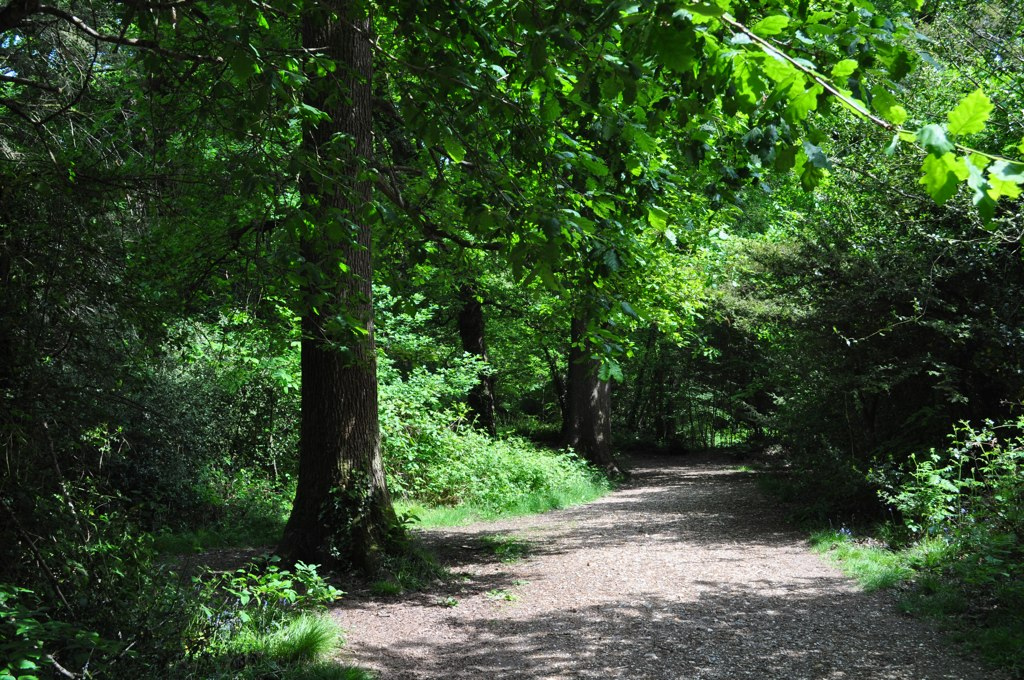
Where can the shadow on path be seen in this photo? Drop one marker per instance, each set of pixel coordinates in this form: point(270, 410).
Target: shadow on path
point(687, 572)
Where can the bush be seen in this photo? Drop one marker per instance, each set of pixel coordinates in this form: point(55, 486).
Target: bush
point(264, 619)
point(972, 496)
point(85, 591)
point(434, 455)
point(969, 501)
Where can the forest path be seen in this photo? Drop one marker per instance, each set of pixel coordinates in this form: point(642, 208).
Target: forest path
point(688, 572)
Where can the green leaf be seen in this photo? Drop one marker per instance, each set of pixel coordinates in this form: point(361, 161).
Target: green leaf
point(970, 114)
point(675, 48)
point(844, 69)
point(891, 149)
point(805, 102)
point(780, 70)
point(815, 156)
point(933, 138)
point(453, 147)
point(1008, 172)
point(785, 157)
point(984, 203)
point(942, 174)
point(769, 26)
point(616, 372)
point(551, 110)
point(1002, 187)
point(593, 164)
point(610, 371)
point(811, 177)
point(611, 260)
point(702, 12)
point(886, 104)
point(657, 217)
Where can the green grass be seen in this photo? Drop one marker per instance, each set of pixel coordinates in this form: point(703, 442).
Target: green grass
point(578, 492)
point(988, 624)
point(501, 595)
point(297, 649)
point(386, 588)
point(249, 535)
point(328, 671)
point(305, 638)
point(872, 567)
point(505, 547)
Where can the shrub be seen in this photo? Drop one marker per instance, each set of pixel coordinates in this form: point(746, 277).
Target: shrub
point(968, 500)
point(972, 496)
point(264, 619)
point(434, 455)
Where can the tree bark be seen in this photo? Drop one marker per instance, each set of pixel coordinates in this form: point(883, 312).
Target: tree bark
point(471, 330)
point(586, 424)
point(633, 420)
point(342, 512)
point(575, 384)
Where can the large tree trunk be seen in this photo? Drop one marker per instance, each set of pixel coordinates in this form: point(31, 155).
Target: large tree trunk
point(586, 424)
point(471, 330)
point(342, 511)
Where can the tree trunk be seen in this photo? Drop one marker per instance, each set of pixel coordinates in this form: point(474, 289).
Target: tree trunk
point(633, 419)
point(557, 382)
point(575, 384)
point(342, 512)
point(471, 330)
point(586, 425)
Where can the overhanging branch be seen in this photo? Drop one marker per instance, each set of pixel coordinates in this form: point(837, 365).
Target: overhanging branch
point(30, 83)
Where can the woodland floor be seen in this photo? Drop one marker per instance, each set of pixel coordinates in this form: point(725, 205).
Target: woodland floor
point(686, 572)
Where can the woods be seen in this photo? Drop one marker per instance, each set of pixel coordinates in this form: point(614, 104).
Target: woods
point(273, 270)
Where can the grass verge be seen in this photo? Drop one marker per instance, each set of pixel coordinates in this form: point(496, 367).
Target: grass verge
point(984, 622)
point(578, 492)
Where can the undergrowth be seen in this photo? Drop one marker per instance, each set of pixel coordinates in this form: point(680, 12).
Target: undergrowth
point(567, 492)
point(955, 550)
point(246, 511)
point(263, 622)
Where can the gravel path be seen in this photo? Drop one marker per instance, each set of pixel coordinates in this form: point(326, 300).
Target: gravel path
point(686, 573)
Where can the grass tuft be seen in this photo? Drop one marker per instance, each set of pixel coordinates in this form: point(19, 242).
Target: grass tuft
point(872, 567)
point(328, 671)
point(386, 588)
point(990, 626)
point(505, 547)
point(305, 638)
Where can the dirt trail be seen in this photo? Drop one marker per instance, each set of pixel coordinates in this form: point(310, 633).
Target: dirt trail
point(688, 572)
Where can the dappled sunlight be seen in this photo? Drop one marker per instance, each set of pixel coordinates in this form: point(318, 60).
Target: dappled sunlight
point(690, 577)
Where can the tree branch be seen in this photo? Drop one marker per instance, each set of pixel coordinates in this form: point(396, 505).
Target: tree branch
point(30, 83)
point(140, 43)
point(430, 229)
